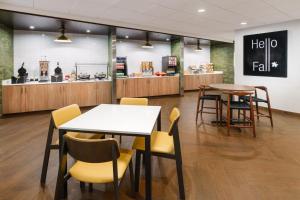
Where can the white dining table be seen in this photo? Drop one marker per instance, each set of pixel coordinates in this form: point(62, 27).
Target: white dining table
point(129, 120)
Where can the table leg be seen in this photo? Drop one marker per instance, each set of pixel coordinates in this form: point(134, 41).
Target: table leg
point(159, 122)
point(148, 172)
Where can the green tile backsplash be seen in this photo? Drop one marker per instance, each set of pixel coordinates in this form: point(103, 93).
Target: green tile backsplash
point(6, 56)
point(221, 55)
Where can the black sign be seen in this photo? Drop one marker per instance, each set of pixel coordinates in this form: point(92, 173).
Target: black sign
point(266, 54)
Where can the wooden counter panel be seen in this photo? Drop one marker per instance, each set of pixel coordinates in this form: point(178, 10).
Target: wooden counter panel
point(37, 97)
point(144, 87)
point(192, 82)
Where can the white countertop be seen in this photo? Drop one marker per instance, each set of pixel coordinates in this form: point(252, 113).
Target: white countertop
point(8, 82)
point(114, 118)
point(214, 72)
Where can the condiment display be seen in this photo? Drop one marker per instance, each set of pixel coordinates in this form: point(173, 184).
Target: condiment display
point(204, 68)
point(44, 67)
point(169, 65)
point(100, 76)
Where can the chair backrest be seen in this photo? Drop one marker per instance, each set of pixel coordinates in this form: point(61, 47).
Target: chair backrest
point(92, 150)
point(65, 114)
point(173, 118)
point(134, 101)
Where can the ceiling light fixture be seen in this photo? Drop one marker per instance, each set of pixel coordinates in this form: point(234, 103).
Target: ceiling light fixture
point(62, 38)
point(198, 46)
point(88, 30)
point(147, 45)
point(126, 36)
point(31, 27)
point(201, 10)
point(168, 39)
point(243, 23)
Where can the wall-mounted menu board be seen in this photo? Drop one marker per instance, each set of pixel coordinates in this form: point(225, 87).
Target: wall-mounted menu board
point(266, 54)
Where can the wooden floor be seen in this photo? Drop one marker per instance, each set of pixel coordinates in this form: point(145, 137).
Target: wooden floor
point(216, 166)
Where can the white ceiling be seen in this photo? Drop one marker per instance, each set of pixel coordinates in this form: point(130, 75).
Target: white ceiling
point(221, 19)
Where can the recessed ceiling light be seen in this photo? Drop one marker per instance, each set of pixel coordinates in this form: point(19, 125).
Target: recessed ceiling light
point(88, 31)
point(31, 27)
point(126, 36)
point(201, 10)
point(243, 23)
point(168, 39)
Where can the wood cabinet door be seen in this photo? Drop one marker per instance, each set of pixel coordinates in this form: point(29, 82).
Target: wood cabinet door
point(142, 87)
point(13, 99)
point(36, 97)
point(83, 94)
point(104, 92)
point(154, 86)
point(131, 87)
point(120, 88)
point(169, 85)
point(56, 96)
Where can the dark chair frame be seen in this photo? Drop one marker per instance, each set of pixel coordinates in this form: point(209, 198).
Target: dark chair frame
point(258, 113)
point(247, 122)
point(201, 98)
point(61, 191)
point(177, 157)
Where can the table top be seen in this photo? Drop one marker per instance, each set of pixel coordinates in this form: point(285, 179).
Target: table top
point(118, 119)
point(231, 87)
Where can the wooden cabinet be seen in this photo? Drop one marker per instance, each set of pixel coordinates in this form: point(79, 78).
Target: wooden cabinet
point(36, 97)
point(13, 99)
point(144, 87)
point(192, 82)
point(103, 92)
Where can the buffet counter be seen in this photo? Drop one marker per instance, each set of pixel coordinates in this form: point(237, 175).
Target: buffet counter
point(147, 86)
point(37, 96)
point(193, 81)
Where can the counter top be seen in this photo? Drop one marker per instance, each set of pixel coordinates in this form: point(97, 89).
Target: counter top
point(140, 77)
point(8, 82)
point(214, 72)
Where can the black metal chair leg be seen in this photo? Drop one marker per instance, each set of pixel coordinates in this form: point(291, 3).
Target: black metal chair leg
point(201, 112)
point(82, 186)
point(131, 178)
point(90, 187)
point(47, 153)
point(137, 170)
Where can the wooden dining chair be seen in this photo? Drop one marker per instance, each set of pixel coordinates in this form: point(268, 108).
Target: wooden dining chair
point(59, 117)
point(246, 122)
point(135, 102)
point(98, 161)
point(202, 97)
point(265, 100)
point(163, 144)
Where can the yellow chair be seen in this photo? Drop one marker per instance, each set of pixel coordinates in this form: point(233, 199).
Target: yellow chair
point(133, 101)
point(163, 144)
point(98, 161)
point(59, 117)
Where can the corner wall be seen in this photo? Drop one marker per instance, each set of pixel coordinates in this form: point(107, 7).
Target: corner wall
point(6, 56)
point(222, 56)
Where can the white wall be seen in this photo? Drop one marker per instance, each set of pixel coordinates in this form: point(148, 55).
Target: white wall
point(284, 92)
point(31, 46)
point(136, 54)
point(191, 57)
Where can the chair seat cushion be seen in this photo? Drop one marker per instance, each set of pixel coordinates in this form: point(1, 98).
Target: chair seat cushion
point(210, 97)
point(161, 142)
point(238, 105)
point(255, 99)
point(100, 172)
point(84, 136)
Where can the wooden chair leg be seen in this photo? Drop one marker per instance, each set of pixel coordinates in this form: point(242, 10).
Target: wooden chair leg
point(228, 120)
point(82, 186)
point(180, 177)
point(120, 139)
point(137, 170)
point(221, 112)
point(270, 113)
point(217, 111)
point(257, 111)
point(201, 111)
point(252, 119)
point(197, 111)
point(47, 153)
point(131, 178)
